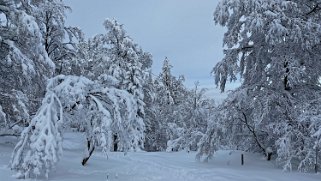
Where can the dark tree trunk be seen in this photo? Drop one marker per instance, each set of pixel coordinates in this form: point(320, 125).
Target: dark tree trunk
point(91, 148)
point(251, 129)
point(316, 159)
point(286, 79)
point(269, 156)
point(115, 143)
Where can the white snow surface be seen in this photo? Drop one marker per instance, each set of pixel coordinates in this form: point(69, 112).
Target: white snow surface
point(158, 166)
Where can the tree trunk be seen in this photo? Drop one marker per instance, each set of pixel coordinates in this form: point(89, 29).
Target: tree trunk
point(316, 160)
point(91, 148)
point(251, 129)
point(269, 156)
point(115, 143)
point(286, 79)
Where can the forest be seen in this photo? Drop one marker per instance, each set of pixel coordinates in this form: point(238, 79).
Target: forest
point(55, 81)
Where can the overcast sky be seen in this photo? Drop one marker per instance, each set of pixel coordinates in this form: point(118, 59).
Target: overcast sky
point(182, 30)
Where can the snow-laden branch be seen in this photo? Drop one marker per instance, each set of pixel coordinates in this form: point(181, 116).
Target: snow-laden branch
point(40, 148)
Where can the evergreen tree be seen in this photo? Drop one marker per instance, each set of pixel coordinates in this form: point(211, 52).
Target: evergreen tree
point(166, 78)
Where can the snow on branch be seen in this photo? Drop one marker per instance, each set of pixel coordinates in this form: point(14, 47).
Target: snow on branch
point(40, 148)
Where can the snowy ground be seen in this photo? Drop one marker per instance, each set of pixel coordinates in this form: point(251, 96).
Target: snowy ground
point(142, 166)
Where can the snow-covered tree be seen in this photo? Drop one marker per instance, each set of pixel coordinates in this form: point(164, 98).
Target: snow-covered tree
point(155, 99)
point(100, 111)
point(194, 112)
point(212, 139)
point(159, 111)
point(25, 65)
point(125, 61)
point(299, 146)
point(115, 60)
point(274, 47)
point(60, 41)
point(120, 50)
point(174, 125)
point(102, 105)
point(166, 78)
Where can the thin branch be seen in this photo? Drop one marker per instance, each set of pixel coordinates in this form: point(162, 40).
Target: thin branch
point(8, 134)
point(251, 129)
point(314, 9)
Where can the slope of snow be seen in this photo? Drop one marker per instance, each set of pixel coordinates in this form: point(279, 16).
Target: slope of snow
point(143, 166)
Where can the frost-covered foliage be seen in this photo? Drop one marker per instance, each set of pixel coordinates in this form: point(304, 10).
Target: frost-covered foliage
point(60, 41)
point(24, 66)
point(269, 41)
point(40, 145)
point(274, 47)
point(299, 146)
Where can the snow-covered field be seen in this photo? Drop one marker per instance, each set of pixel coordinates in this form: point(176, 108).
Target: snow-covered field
point(143, 166)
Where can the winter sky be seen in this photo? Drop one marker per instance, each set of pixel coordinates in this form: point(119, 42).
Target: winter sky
point(182, 30)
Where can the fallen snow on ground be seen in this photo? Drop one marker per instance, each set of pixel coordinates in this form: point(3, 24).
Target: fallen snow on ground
point(143, 166)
